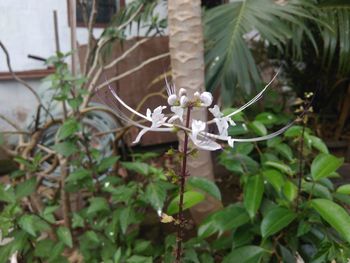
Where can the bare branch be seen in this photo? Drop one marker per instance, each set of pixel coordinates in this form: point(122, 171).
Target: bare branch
point(131, 71)
point(8, 61)
point(13, 124)
point(90, 36)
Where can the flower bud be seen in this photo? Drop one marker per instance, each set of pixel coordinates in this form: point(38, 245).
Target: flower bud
point(206, 98)
point(197, 95)
point(172, 99)
point(183, 101)
point(182, 92)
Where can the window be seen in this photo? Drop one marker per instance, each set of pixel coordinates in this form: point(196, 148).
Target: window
point(105, 11)
point(212, 3)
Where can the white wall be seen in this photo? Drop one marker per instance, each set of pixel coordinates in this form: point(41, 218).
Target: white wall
point(26, 27)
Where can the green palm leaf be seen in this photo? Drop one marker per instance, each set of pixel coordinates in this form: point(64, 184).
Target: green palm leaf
point(336, 35)
point(229, 60)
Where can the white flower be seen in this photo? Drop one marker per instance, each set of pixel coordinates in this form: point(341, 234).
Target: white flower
point(156, 117)
point(206, 98)
point(197, 95)
point(184, 101)
point(230, 141)
point(172, 99)
point(178, 114)
point(201, 141)
point(182, 92)
point(222, 123)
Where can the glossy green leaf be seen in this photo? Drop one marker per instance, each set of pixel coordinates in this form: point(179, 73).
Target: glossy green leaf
point(229, 218)
point(275, 178)
point(284, 150)
point(156, 195)
point(344, 189)
point(316, 190)
point(65, 236)
point(258, 128)
point(318, 144)
point(324, 165)
point(275, 220)
point(246, 254)
point(290, 190)
point(280, 166)
point(191, 198)
point(335, 215)
point(205, 185)
point(266, 118)
point(253, 193)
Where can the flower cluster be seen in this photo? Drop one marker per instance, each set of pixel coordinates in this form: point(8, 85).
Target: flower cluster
point(178, 102)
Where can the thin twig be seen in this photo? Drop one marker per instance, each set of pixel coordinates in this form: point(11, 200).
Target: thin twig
point(90, 36)
point(131, 71)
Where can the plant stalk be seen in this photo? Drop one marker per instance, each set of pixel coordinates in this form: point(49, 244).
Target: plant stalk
point(183, 175)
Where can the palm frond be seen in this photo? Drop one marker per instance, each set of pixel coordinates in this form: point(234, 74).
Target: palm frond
point(336, 37)
point(228, 57)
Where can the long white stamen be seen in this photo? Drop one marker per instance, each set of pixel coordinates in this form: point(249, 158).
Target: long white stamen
point(253, 100)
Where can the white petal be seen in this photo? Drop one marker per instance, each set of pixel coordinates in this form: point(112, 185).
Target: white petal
point(206, 144)
point(206, 98)
point(230, 142)
point(182, 92)
point(183, 101)
point(172, 99)
point(141, 133)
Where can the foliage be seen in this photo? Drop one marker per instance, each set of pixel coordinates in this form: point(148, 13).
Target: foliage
point(309, 29)
point(290, 206)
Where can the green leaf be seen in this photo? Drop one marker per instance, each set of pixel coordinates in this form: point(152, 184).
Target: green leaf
point(124, 218)
point(26, 222)
point(7, 193)
point(258, 128)
point(318, 144)
point(191, 198)
point(294, 131)
point(97, 204)
point(275, 178)
point(246, 254)
point(204, 185)
point(275, 220)
point(280, 166)
point(284, 150)
point(65, 236)
point(229, 218)
point(324, 165)
point(344, 189)
point(77, 221)
point(138, 167)
point(253, 193)
point(78, 175)
point(25, 188)
point(106, 163)
point(335, 215)
point(139, 259)
point(290, 190)
point(266, 118)
point(156, 195)
point(68, 128)
point(316, 190)
point(65, 148)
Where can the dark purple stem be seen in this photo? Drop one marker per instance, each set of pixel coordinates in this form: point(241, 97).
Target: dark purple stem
point(180, 216)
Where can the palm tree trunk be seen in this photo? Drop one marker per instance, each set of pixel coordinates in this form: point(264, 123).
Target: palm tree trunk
point(187, 63)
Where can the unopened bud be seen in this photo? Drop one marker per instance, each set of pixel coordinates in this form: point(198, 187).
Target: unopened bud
point(183, 101)
point(182, 92)
point(206, 98)
point(172, 99)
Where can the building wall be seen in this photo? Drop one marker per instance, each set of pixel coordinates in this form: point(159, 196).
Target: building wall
point(27, 27)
